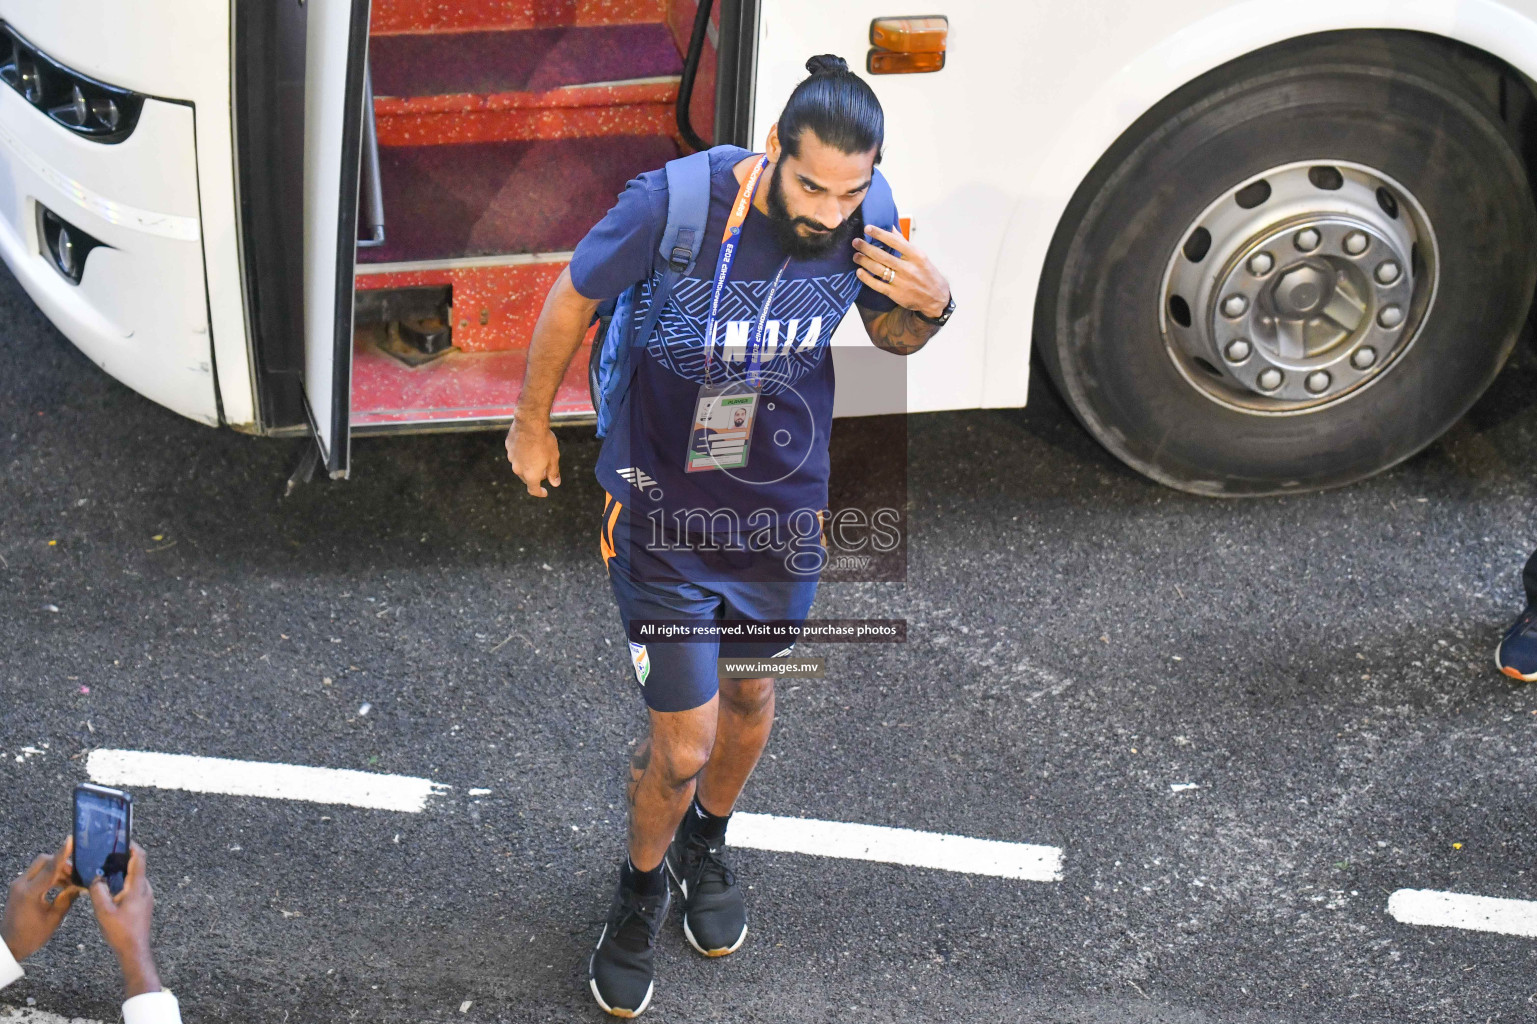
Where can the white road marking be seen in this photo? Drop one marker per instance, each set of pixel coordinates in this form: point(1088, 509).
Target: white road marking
point(847, 840)
point(1459, 910)
point(1180, 787)
point(260, 778)
point(27, 1015)
point(896, 846)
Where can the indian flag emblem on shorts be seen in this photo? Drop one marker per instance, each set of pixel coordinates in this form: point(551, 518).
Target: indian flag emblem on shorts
point(642, 661)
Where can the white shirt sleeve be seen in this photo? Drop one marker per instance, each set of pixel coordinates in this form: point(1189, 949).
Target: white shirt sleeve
point(10, 970)
point(152, 1008)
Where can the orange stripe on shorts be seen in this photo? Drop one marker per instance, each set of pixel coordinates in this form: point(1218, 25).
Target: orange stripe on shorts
point(606, 530)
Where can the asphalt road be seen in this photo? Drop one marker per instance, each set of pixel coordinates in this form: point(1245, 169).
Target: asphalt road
point(1081, 641)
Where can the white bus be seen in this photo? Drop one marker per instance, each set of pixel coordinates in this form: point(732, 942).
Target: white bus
point(1257, 246)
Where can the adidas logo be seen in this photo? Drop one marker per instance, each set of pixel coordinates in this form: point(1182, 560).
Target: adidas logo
point(636, 477)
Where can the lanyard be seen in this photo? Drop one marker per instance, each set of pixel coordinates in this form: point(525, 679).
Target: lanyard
point(728, 246)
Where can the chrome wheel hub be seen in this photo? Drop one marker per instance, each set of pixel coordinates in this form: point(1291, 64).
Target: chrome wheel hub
point(1298, 287)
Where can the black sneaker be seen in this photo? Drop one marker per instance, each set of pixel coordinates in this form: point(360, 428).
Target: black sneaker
point(1517, 654)
point(622, 971)
point(714, 915)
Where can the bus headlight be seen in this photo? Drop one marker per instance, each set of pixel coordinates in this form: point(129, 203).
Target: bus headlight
point(62, 244)
point(75, 111)
point(96, 110)
point(27, 81)
point(107, 113)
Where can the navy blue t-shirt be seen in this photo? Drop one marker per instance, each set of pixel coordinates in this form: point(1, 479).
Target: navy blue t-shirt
point(645, 452)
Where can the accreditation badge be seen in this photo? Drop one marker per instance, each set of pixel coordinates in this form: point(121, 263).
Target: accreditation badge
point(722, 431)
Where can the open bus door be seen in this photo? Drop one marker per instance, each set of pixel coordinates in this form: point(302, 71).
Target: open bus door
point(485, 200)
point(298, 113)
point(336, 55)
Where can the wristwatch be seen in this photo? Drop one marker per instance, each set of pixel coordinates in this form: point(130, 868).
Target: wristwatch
point(938, 321)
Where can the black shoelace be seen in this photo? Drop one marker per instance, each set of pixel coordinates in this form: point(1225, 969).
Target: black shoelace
point(645, 911)
point(707, 867)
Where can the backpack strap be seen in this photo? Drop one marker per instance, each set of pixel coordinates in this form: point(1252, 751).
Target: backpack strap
point(688, 210)
point(879, 208)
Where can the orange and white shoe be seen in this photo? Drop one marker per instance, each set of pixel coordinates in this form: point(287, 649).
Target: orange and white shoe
point(1517, 654)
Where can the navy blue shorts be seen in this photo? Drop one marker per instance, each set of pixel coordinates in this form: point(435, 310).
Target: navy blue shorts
point(673, 586)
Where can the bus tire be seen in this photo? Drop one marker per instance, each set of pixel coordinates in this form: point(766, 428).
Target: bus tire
point(1416, 114)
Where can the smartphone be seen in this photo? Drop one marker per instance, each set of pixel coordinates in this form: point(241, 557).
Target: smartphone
point(103, 828)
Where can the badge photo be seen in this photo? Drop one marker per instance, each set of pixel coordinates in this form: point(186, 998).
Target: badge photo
point(722, 433)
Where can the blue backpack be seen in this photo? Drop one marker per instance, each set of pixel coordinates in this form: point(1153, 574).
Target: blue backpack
point(616, 354)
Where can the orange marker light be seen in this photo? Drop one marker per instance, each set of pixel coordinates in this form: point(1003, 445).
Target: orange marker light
point(884, 62)
point(910, 35)
point(905, 46)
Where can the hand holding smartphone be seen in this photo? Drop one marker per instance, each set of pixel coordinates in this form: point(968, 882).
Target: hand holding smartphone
point(103, 831)
point(31, 915)
point(100, 857)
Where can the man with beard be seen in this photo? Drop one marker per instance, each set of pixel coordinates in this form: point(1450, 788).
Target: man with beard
point(715, 468)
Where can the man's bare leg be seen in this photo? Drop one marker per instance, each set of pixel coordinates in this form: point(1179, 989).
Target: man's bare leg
point(745, 719)
point(662, 773)
point(714, 912)
point(621, 971)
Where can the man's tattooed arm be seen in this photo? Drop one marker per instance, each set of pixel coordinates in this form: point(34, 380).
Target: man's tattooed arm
point(910, 280)
point(897, 330)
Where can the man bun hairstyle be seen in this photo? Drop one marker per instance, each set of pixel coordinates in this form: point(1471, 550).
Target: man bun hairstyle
point(837, 105)
point(826, 63)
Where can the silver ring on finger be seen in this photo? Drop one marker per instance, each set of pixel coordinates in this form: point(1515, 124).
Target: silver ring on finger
point(891, 274)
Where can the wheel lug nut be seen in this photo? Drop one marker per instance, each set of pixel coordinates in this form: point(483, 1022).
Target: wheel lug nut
point(1235, 306)
point(1270, 379)
point(1387, 272)
point(1317, 382)
point(1363, 357)
point(1356, 243)
point(1261, 263)
point(1307, 239)
point(1391, 316)
point(1238, 350)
